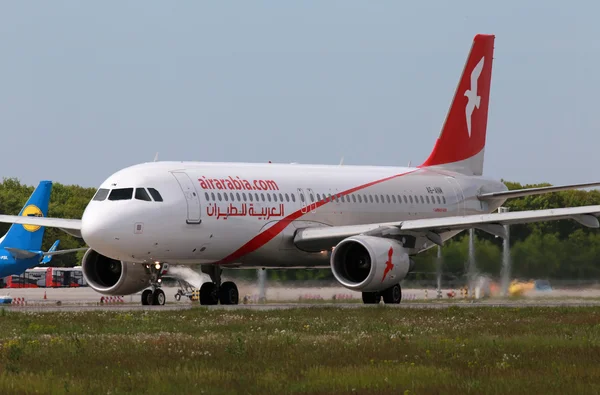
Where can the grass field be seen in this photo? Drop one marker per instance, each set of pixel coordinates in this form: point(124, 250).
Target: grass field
point(316, 350)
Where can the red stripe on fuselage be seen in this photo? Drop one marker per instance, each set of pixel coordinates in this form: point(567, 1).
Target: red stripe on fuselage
point(269, 234)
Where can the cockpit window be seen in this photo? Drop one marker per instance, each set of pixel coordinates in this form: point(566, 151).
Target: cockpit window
point(101, 194)
point(141, 194)
point(121, 194)
point(155, 195)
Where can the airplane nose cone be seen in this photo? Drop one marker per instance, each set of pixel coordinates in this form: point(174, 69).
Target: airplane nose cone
point(102, 231)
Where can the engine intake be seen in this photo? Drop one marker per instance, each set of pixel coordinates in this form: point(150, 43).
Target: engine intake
point(111, 277)
point(370, 264)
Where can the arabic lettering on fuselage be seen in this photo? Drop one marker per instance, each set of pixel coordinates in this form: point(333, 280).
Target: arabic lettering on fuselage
point(245, 210)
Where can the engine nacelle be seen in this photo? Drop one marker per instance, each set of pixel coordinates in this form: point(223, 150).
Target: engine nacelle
point(111, 277)
point(370, 264)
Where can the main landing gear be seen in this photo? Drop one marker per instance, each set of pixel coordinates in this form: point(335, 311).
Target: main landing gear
point(155, 296)
point(212, 293)
point(392, 295)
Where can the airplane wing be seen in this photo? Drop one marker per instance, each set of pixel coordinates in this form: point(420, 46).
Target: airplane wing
point(70, 226)
point(323, 238)
point(18, 253)
point(534, 191)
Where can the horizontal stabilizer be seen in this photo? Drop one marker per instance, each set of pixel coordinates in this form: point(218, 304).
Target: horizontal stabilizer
point(20, 254)
point(534, 191)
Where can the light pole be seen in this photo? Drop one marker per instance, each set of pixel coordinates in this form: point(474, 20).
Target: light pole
point(505, 275)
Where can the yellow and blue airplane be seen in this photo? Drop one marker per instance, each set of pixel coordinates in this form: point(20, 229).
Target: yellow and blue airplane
point(20, 246)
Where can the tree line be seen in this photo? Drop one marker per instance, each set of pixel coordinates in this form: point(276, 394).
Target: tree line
point(556, 249)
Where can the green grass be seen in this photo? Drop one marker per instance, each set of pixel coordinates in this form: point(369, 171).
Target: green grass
point(319, 350)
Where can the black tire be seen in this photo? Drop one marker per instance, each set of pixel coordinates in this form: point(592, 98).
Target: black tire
point(371, 297)
point(178, 297)
point(228, 293)
point(147, 297)
point(159, 298)
point(392, 295)
point(208, 294)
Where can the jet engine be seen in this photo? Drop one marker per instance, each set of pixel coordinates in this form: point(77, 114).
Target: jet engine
point(111, 277)
point(370, 264)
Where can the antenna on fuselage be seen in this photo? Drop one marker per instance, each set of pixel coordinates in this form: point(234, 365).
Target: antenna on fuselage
point(409, 162)
point(342, 161)
point(156, 157)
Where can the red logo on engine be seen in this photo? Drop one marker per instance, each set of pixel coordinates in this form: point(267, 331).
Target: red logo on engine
point(388, 264)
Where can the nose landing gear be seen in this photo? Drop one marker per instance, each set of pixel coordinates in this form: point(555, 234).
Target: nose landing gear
point(214, 292)
point(155, 296)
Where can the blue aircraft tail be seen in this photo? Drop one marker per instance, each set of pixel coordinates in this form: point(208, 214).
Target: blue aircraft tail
point(29, 237)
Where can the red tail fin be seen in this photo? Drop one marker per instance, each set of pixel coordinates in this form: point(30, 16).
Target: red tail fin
point(461, 144)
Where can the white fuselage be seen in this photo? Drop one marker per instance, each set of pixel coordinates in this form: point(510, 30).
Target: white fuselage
point(243, 214)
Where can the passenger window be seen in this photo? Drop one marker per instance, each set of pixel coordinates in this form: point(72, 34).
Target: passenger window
point(388, 199)
point(244, 196)
point(438, 200)
point(411, 199)
point(376, 198)
point(280, 197)
point(101, 194)
point(287, 197)
point(354, 198)
point(359, 199)
point(121, 194)
point(205, 194)
point(318, 197)
point(312, 197)
point(382, 199)
point(262, 195)
point(226, 197)
point(219, 196)
point(365, 198)
point(256, 197)
point(238, 197)
point(250, 196)
point(371, 198)
point(427, 199)
point(155, 195)
point(232, 197)
point(269, 197)
point(422, 200)
point(444, 199)
point(213, 196)
point(275, 197)
point(293, 197)
point(394, 199)
point(405, 200)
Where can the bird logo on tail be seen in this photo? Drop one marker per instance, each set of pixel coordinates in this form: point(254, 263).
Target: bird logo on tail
point(471, 94)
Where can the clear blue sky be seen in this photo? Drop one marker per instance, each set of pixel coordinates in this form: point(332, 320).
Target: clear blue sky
point(87, 88)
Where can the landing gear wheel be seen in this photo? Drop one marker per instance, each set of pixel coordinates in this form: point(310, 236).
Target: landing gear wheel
point(159, 298)
point(228, 293)
point(392, 295)
point(147, 297)
point(208, 294)
point(371, 297)
point(178, 297)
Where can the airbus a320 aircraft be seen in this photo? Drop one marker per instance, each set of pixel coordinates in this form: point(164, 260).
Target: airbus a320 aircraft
point(365, 222)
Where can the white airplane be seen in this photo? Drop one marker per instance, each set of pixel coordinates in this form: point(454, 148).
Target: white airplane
point(365, 222)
